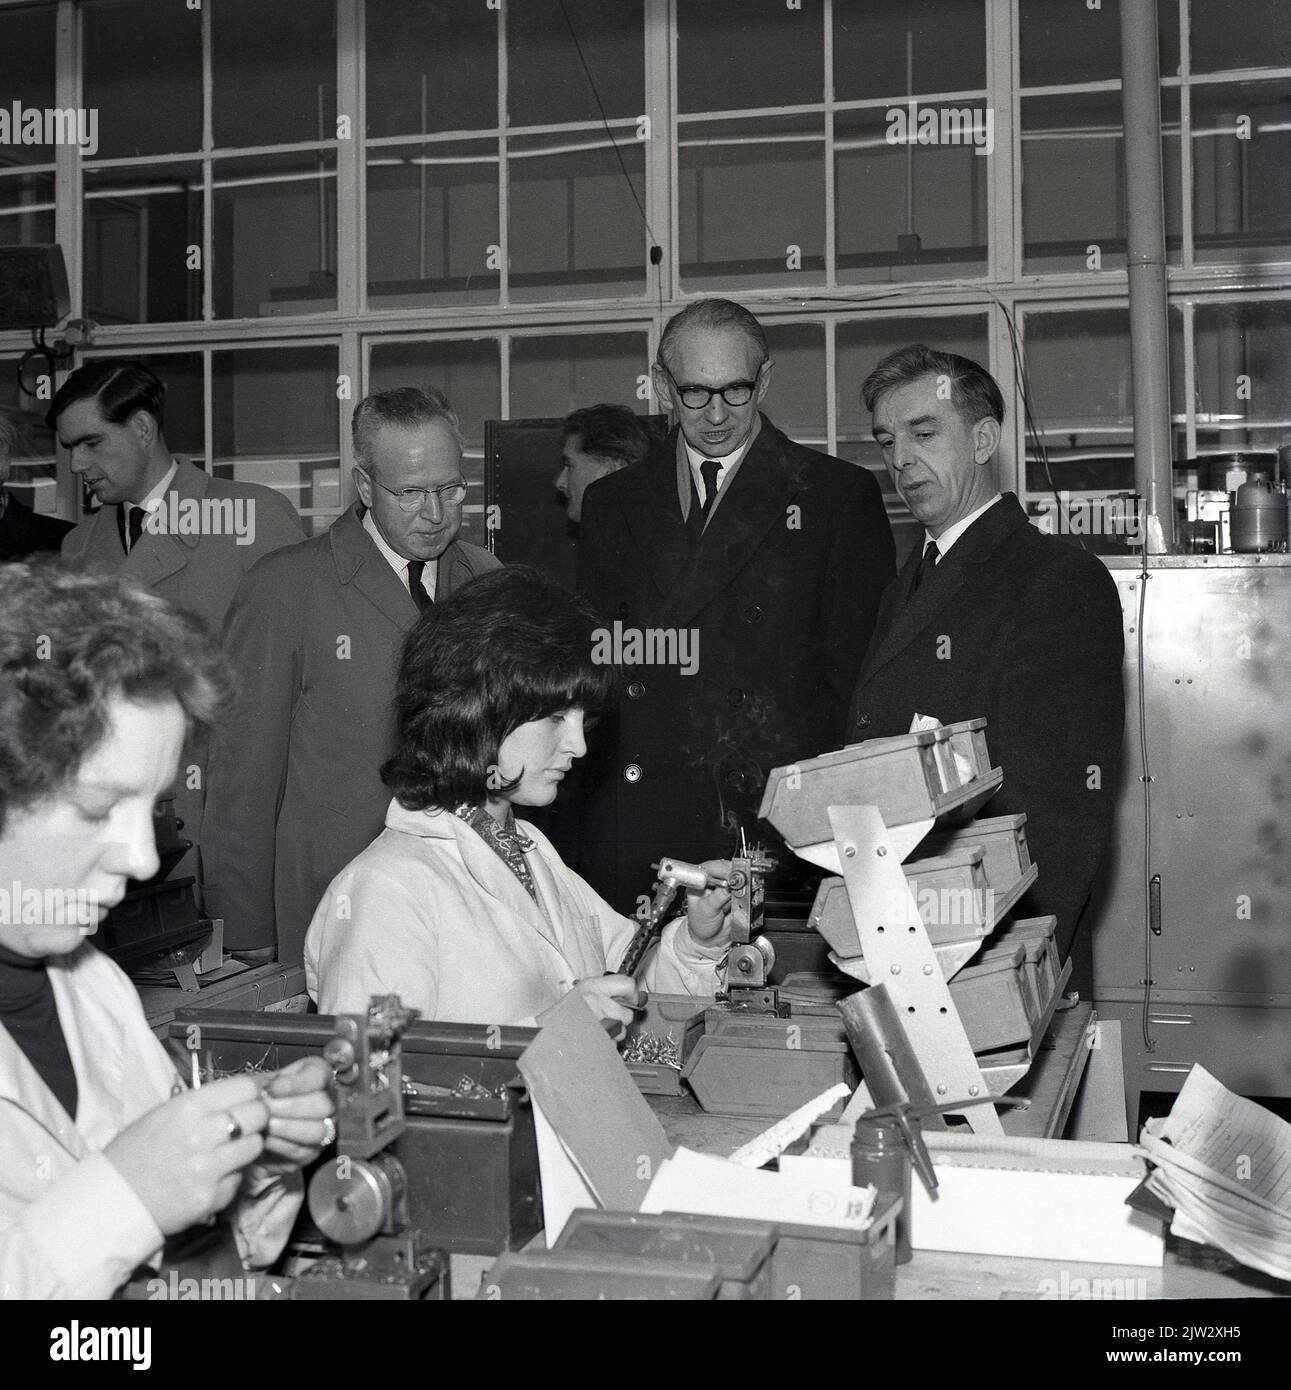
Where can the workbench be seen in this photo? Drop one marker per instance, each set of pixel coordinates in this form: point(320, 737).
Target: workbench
point(1189, 1271)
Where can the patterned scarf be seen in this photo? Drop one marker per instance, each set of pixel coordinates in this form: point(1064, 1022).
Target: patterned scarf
point(504, 840)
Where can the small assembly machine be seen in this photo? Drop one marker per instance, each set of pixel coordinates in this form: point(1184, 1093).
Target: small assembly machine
point(358, 1196)
point(435, 1154)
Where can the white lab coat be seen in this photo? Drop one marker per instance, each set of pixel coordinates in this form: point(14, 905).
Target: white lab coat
point(70, 1224)
point(430, 912)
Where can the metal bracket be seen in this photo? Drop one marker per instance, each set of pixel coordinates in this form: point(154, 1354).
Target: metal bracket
point(899, 955)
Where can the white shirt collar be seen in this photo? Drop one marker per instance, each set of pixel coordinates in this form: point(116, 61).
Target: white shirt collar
point(725, 462)
point(397, 562)
point(154, 498)
point(952, 533)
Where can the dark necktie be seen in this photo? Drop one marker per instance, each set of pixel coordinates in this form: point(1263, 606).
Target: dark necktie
point(423, 599)
point(130, 520)
point(926, 566)
point(709, 469)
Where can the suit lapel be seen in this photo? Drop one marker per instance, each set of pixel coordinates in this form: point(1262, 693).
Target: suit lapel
point(760, 493)
point(360, 565)
point(653, 516)
point(900, 623)
point(158, 555)
point(452, 573)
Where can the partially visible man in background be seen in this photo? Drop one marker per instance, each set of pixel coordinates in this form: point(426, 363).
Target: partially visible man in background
point(22, 531)
point(162, 522)
point(315, 637)
point(599, 439)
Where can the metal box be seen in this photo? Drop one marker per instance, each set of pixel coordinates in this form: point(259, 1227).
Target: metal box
point(668, 1028)
point(1038, 933)
point(830, 1262)
point(760, 1065)
point(904, 777)
point(1003, 842)
point(564, 1275)
point(741, 1250)
point(994, 1003)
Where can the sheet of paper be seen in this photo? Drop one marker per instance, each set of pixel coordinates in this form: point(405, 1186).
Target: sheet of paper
point(564, 1188)
point(712, 1186)
point(921, 723)
point(1239, 1140)
point(577, 1077)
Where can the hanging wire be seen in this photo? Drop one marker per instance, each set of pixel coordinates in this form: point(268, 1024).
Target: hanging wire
point(618, 153)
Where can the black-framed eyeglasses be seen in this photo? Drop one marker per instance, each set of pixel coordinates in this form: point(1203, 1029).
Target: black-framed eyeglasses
point(413, 499)
point(697, 397)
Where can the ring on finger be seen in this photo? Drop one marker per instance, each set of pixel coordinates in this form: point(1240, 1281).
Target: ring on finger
point(234, 1129)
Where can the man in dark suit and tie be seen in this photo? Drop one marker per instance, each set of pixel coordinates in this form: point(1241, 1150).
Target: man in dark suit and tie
point(314, 636)
point(989, 618)
point(747, 571)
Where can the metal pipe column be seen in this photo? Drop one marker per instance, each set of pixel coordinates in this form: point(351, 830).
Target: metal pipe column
point(1145, 229)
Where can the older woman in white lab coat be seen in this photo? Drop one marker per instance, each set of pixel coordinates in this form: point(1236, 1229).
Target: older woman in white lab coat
point(465, 911)
point(103, 1153)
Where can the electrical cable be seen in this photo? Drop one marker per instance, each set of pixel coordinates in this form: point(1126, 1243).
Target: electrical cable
point(1148, 1043)
point(614, 144)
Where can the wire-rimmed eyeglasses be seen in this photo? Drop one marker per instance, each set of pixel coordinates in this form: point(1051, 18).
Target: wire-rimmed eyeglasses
point(413, 499)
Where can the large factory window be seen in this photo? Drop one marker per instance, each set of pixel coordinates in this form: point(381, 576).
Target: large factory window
point(774, 164)
point(1073, 180)
point(274, 237)
point(130, 83)
point(1062, 45)
point(139, 225)
point(275, 420)
point(189, 233)
point(1243, 396)
point(27, 170)
point(432, 219)
point(544, 200)
point(1079, 441)
point(1241, 146)
point(551, 376)
point(1225, 36)
point(842, 196)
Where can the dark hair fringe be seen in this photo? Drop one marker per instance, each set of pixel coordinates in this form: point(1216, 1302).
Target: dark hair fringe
point(508, 648)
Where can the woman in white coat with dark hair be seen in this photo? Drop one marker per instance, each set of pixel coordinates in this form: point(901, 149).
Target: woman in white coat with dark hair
point(469, 914)
point(104, 1153)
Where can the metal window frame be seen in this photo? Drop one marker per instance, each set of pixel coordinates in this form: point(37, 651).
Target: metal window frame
point(354, 327)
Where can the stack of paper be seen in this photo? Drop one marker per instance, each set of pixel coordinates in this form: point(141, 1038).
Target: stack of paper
point(1224, 1164)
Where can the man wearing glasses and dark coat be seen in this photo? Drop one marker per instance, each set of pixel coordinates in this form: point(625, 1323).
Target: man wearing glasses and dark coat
point(294, 789)
point(765, 561)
